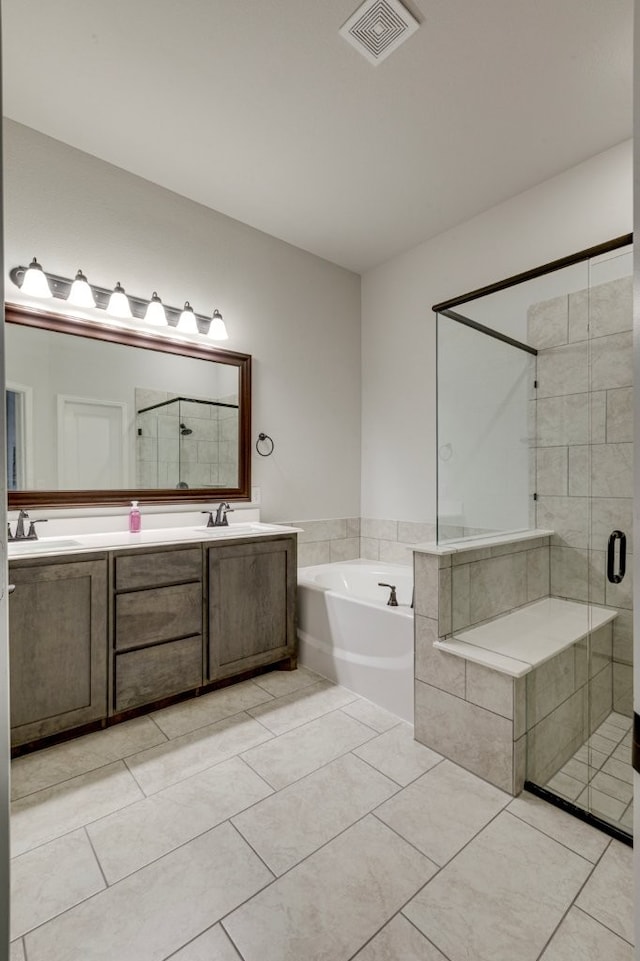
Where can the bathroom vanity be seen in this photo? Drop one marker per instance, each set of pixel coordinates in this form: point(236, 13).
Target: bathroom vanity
point(99, 634)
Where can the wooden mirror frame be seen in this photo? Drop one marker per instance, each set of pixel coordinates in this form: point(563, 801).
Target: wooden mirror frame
point(31, 317)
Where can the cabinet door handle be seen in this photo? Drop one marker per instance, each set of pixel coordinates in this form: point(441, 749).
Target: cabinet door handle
point(613, 576)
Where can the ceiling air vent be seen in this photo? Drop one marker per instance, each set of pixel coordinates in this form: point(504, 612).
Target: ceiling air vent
point(378, 27)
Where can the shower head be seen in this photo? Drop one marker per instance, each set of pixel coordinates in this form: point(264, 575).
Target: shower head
point(184, 430)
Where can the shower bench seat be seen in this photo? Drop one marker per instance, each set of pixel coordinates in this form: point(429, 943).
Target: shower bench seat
point(525, 638)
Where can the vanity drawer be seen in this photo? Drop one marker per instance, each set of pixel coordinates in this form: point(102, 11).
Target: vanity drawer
point(157, 568)
point(148, 675)
point(161, 614)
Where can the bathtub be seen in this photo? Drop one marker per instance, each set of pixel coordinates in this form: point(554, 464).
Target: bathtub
point(347, 633)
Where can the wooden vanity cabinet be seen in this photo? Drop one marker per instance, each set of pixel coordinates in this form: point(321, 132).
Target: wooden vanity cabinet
point(57, 645)
point(157, 625)
point(252, 600)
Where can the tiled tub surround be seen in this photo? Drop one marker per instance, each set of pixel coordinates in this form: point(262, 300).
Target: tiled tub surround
point(348, 538)
point(197, 833)
point(478, 715)
point(584, 440)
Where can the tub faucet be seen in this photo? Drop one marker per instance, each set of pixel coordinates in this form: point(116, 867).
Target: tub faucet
point(393, 600)
point(221, 515)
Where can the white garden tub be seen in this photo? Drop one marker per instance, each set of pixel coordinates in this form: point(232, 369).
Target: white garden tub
point(348, 634)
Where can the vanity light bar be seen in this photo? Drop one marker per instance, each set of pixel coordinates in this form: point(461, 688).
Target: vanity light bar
point(60, 287)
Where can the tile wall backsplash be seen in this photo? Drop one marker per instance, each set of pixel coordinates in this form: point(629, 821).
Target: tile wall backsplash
point(584, 474)
point(347, 538)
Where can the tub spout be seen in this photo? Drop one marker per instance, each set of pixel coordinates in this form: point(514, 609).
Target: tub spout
point(393, 600)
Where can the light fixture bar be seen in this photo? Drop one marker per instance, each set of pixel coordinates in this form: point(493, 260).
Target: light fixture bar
point(61, 286)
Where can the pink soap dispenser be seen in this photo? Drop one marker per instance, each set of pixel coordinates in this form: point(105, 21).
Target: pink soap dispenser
point(135, 520)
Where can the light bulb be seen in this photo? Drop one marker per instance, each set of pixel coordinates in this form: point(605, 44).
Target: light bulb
point(155, 312)
point(187, 322)
point(217, 329)
point(119, 303)
point(35, 281)
point(81, 294)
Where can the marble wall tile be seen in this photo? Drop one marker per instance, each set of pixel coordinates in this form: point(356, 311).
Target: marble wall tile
point(552, 471)
point(444, 601)
point(612, 361)
point(600, 698)
point(393, 552)
point(623, 689)
point(552, 741)
point(549, 685)
point(577, 574)
point(16, 950)
point(426, 573)
point(519, 707)
point(370, 548)
point(478, 740)
point(386, 530)
point(323, 530)
point(547, 322)
point(612, 470)
point(600, 649)
point(489, 689)
point(578, 315)
point(611, 307)
point(435, 667)
point(620, 415)
point(579, 471)
point(620, 595)
point(537, 573)
point(609, 514)
point(314, 553)
point(562, 420)
point(623, 637)
point(353, 526)
point(563, 370)
point(460, 580)
point(568, 517)
point(497, 585)
point(413, 532)
point(347, 549)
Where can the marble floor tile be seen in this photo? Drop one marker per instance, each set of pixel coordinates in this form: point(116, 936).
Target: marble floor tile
point(162, 907)
point(57, 810)
point(577, 770)
point(281, 683)
point(600, 743)
point(627, 819)
point(127, 840)
point(16, 951)
point(42, 769)
point(334, 902)
point(585, 840)
point(565, 786)
point(588, 755)
point(399, 941)
point(623, 752)
point(608, 894)
point(601, 804)
point(51, 879)
point(292, 710)
point(213, 945)
point(192, 753)
point(441, 811)
point(618, 769)
point(288, 826)
point(293, 755)
point(398, 755)
point(620, 721)
point(198, 712)
point(372, 715)
point(579, 936)
point(613, 786)
point(502, 897)
point(610, 731)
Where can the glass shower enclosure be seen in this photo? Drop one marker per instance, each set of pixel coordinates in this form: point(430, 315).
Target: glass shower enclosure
point(534, 409)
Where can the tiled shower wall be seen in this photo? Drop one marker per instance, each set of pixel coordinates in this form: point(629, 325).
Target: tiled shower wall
point(584, 474)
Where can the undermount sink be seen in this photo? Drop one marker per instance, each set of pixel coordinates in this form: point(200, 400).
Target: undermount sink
point(235, 530)
point(33, 547)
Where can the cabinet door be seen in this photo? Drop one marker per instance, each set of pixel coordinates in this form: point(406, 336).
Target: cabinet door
point(252, 590)
point(57, 647)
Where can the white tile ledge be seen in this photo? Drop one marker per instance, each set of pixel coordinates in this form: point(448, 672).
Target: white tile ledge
point(521, 640)
point(475, 543)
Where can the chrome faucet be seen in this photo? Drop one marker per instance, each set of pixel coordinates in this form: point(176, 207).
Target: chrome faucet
point(221, 515)
point(20, 534)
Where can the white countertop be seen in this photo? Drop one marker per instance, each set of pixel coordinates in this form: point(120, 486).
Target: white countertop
point(476, 543)
point(118, 540)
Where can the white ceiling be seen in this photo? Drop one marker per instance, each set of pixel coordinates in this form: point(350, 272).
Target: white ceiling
point(259, 109)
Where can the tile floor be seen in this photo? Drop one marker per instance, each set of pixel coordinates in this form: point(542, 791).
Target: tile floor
point(599, 776)
point(284, 818)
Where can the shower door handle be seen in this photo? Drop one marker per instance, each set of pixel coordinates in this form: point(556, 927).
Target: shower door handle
point(614, 577)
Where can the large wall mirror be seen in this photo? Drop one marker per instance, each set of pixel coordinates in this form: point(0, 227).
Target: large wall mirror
point(100, 415)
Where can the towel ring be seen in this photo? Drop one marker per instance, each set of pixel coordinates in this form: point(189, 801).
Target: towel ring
point(261, 439)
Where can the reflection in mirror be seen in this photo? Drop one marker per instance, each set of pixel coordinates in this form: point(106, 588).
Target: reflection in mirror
point(101, 414)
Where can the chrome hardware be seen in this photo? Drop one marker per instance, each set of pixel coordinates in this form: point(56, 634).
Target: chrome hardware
point(393, 600)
